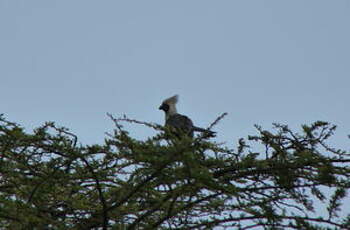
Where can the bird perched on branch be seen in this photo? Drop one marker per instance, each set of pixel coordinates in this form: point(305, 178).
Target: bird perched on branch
point(181, 123)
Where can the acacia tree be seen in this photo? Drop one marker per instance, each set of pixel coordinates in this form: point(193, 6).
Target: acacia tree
point(49, 181)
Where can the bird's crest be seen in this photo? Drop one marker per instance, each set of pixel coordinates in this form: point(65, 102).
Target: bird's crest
point(171, 100)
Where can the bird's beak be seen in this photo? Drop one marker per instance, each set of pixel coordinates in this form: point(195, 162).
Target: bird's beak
point(161, 107)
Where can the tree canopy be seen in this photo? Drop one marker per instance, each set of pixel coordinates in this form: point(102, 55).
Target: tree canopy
point(48, 180)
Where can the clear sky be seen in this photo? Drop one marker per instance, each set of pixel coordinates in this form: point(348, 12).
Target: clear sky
point(260, 61)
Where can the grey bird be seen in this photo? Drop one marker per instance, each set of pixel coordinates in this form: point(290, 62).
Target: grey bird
point(181, 123)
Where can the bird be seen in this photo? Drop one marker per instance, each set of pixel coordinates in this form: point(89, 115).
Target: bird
point(181, 123)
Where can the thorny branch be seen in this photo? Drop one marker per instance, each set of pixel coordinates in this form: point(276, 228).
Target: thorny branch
point(46, 179)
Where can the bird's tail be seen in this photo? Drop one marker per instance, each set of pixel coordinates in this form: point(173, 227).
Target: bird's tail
point(207, 132)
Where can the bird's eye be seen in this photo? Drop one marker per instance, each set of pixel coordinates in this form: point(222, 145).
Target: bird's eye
point(164, 107)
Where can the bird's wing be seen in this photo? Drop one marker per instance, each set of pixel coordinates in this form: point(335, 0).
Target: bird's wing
point(180, 122)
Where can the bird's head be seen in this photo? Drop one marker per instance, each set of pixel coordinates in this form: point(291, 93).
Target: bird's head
point(168, 105)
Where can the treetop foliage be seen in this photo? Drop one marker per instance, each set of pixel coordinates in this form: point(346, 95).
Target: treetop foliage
point(48, 180)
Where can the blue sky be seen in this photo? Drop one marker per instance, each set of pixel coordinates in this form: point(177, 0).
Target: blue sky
point(260, 61)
